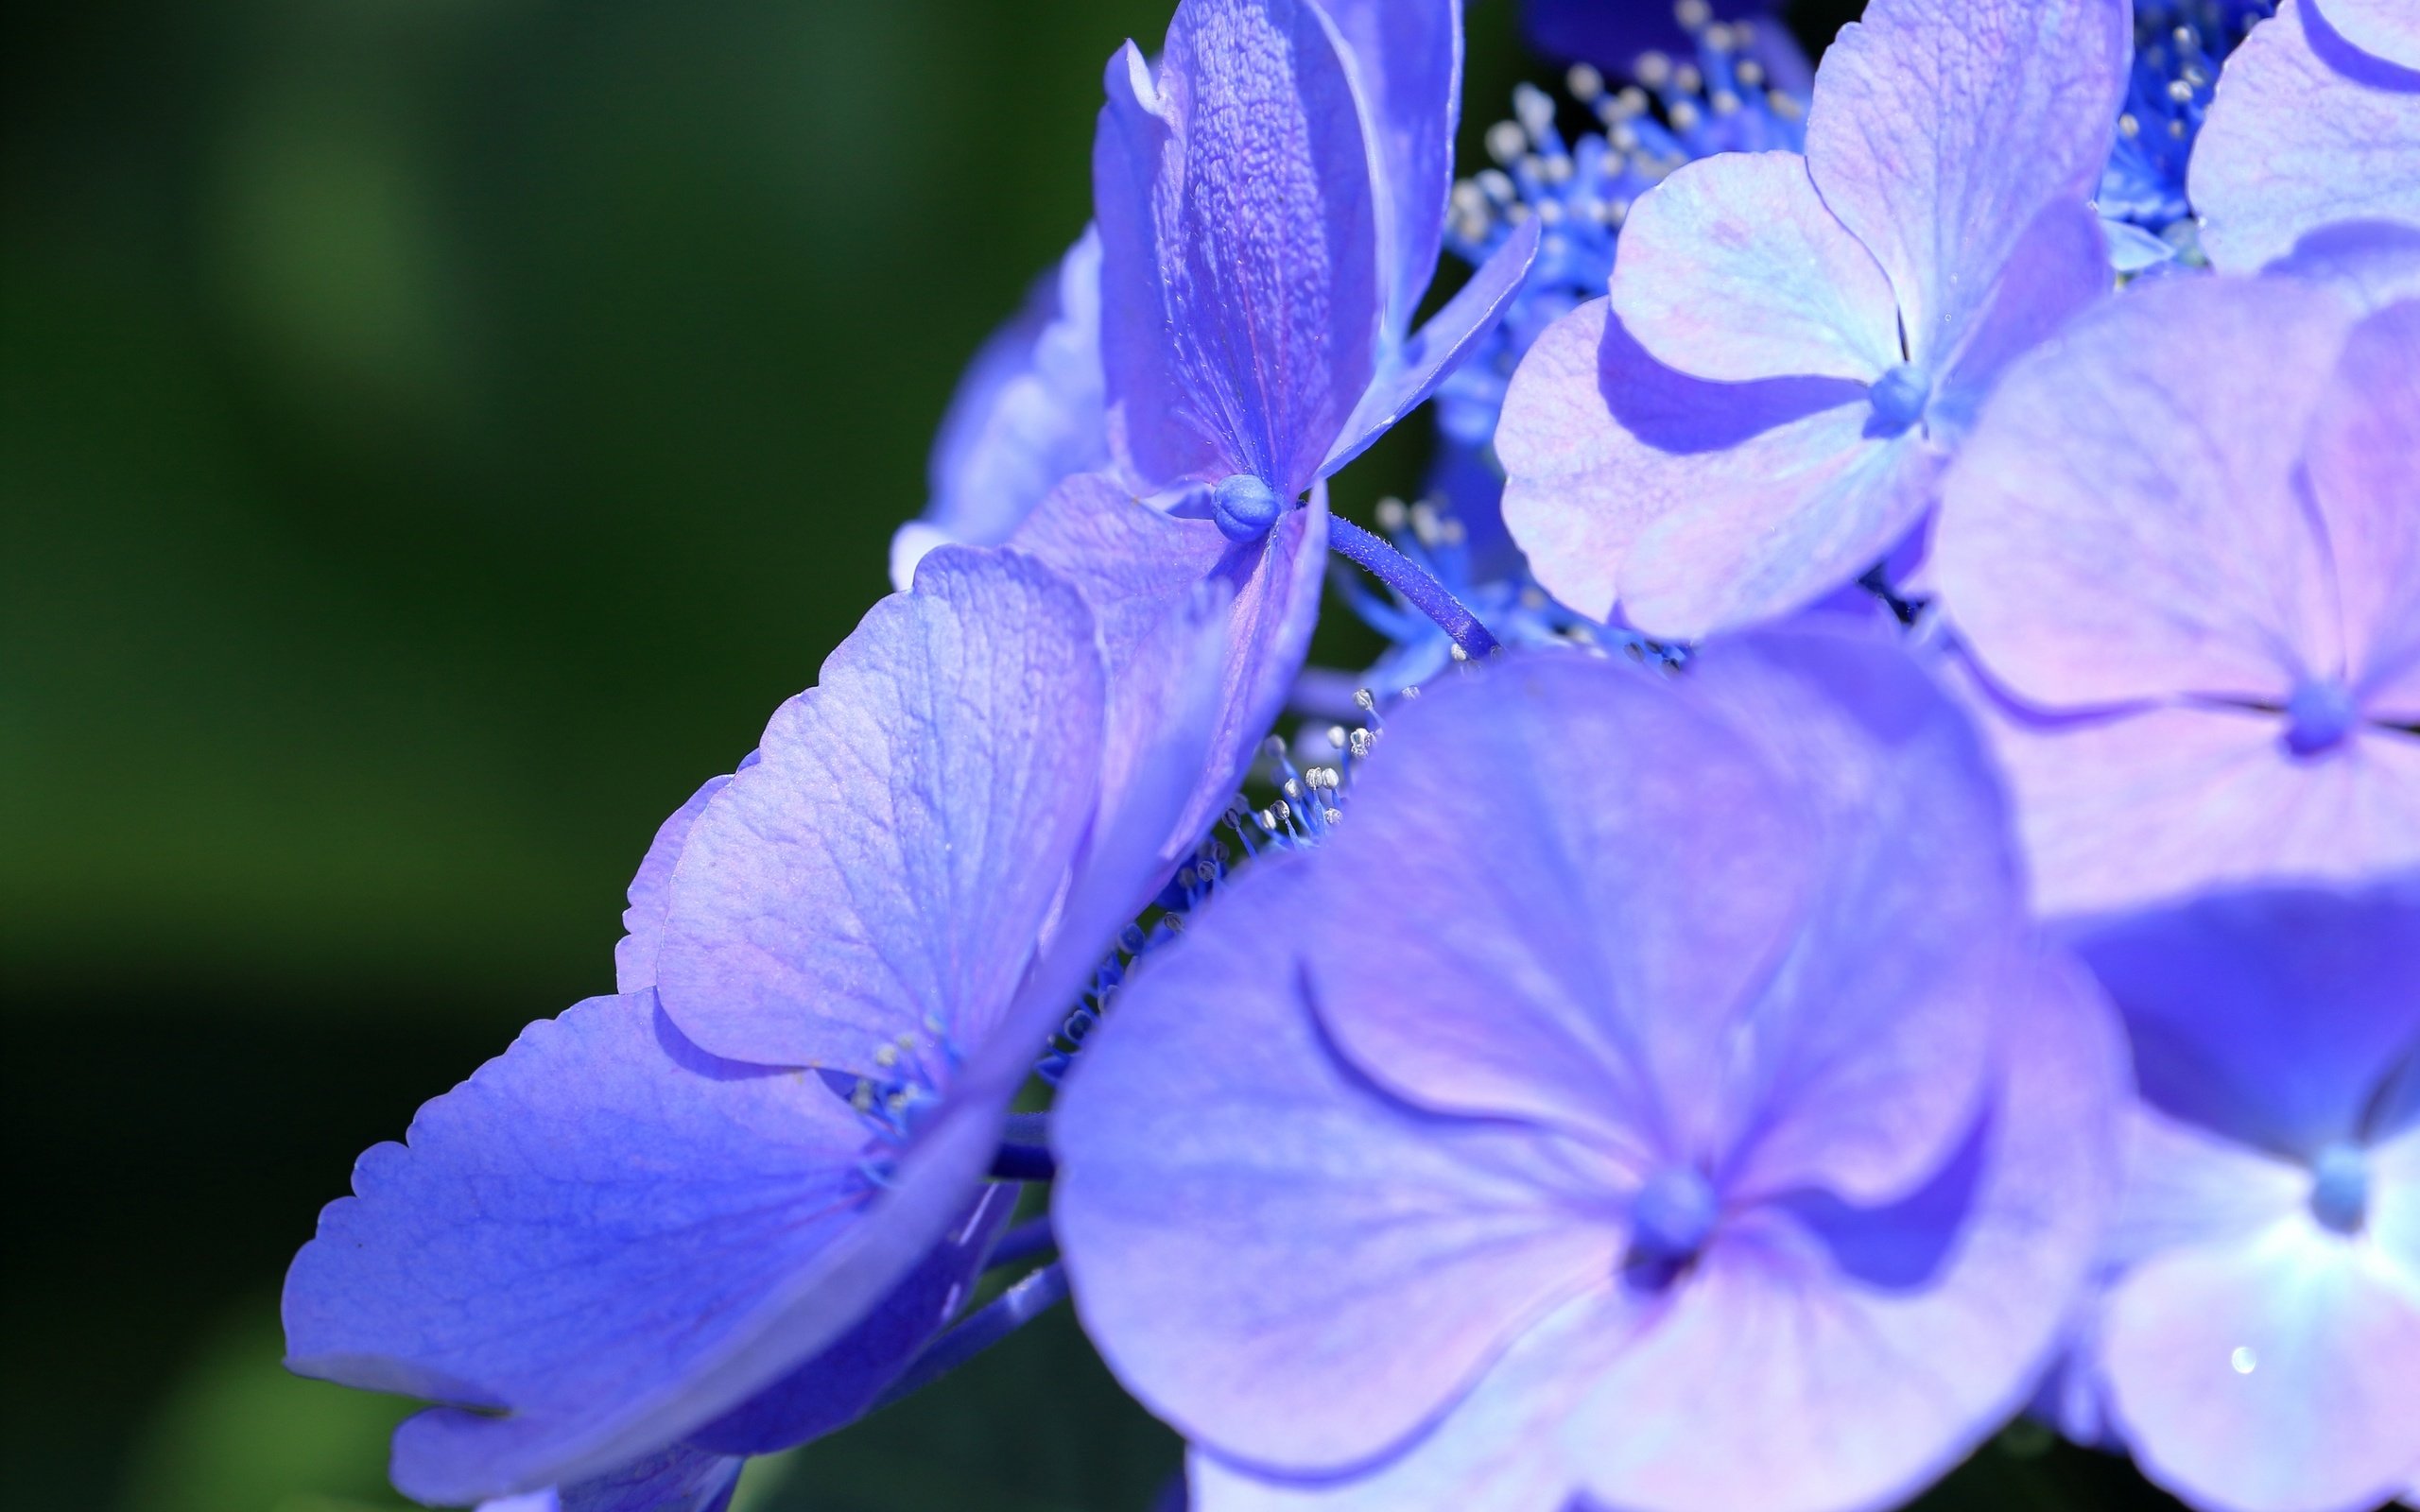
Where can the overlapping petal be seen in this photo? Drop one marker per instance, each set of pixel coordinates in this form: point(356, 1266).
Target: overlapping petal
point(1405, 56)
point(2305, 131)
point(2367, 488)
point(2384, 28)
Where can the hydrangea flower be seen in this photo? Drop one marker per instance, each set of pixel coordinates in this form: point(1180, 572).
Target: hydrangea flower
point(1650, 1093)
point(2255, 1342)
point(1795, 345)
point(2308, 129)
point(716, 1215)
point(2184, 549)
point(2179, 48)
point(1615, 34)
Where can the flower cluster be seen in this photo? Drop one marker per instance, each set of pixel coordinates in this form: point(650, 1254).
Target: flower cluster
point(1876, 889)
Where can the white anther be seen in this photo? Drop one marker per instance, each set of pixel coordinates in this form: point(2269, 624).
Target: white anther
point(1498, 187)
point(1334, 815)
point(1693, 13)
point(1293, 789)
point(1586, 83)
point(1688, 79)
point(1685, 115)
point(1274, 747)
point(1335, 737)
point(1652, 69)
point(886, 1056)
point(1364, 699)
point(1458, 653)
point(1359, 742)
point(1506, 141)
point(1749, 73)
point(1535, 109)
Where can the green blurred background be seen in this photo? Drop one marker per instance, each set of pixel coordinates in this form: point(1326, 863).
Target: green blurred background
point(434, 435)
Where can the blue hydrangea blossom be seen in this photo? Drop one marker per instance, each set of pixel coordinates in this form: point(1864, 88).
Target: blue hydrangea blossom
point(2184, 551)
point(2255, 1343)
point(1795, 345)
point(1652, 1092)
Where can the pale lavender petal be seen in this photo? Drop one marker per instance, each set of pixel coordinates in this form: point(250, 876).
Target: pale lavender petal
point(1598, 440)
point(1262, 295)
point(616, 1237)
point(1838, 1358)
point(886, 867)
point(2186, 1185)
point(2366, 480)
point(1254, 1235)
point(1494, 1451)
point(2057, 269)
point(1029, 412)
point(1733, 269)
point(651, 893)
point(2124, 523)
point(2125, 809)
point(2275, 1016)
point(1406, 57)
point(2304, 133)
point(2388, 28)
point(1622, 968)
point(2374, 263)
point(1939, 132)
point(2272, 1375)
point(1778, 522)
point(2395, 1196)
point(1438, 347)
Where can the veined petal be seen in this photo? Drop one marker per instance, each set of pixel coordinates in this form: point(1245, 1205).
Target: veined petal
point(1254, 1232)
point(2386, 29)
point(1732, 269)
point(2305, 131)
point(2056, 270)
point(651, 893)
point(1599, 441)
point(1939, 132)
point(2373, 263)
point(615, 1238)
point(2365, 477)
point(2272, 1375)
point(887, 869)
point(2125, 523)
point(1405, 56)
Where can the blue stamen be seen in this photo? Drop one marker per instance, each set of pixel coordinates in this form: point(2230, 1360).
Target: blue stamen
point(1245, 506)
point(2339, 1191)
point(2319, 716)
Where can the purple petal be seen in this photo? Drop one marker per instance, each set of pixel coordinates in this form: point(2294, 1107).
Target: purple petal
point(1777, 524)
point(2186, 1185)
point(2058, 268)
point(1027, 413)
point(1841, 1358)
point(1433, 355)
point(2135, 808)
point(678, 1480)
point(1406, 57)
point(2305, 131)
point(2368, 490)
point(1732, 269)
point(2124, 523)
point(1939, 132)
point(2374, 263)
point(2388, 28)
point(614, 1235)
point(651, 893)
point(1254, 1236)
point(1240, 245)
point(885, 869)
point(1666, 866)
point(1598, 440)
point(2394, 1200)
point(2269, 1375)
point(2271, 1017)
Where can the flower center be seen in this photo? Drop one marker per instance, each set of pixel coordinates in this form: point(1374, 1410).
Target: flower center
point(1244, 506)
point(1672, 1216)
point(2319, 716)
point(2339, 1188)
point(1900, 398)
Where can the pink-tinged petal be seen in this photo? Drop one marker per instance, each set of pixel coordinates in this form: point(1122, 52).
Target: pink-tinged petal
point(1719, 948)
point(2387, 28)
point(1732, 269)
point(617, 1239)
point(2273, 1016)
point(2364, 462)
point(2124, 523)
point(1438, 347)
point(651, 893)
point(1778, 522)
point(1254, 1233)
point(2305, 131)
point(1240, 258)
point(1496, 1452)
point(2125, 809)
point(1598, 440)
point(886, 867)
point(2057, 270)
point(1938, 132)
point(1829, 1357)
point(2269, 1375)
point(1405, 57)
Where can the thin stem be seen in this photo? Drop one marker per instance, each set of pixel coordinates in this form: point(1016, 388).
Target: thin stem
point(1022, 1243)
point(1003, 1315)
point(1417, 587)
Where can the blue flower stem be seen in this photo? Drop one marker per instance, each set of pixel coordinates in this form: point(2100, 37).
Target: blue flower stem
point(1407, 577)
point(1023, 1242)
point(1004, 1314)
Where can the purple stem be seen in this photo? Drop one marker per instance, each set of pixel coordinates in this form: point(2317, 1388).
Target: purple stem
point(978, 1330)
point(1407, 577)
